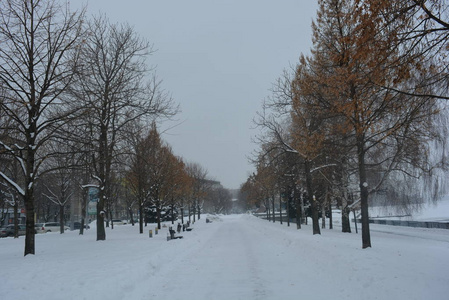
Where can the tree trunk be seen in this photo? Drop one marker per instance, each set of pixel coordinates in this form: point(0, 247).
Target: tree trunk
point(280, 207)
point(345, 223)
point(61, 218)
point(323, 216)
point(299, 205)
point(303, 212)
point(141, 218)
point(101, 232)
point(345, 220)
point(366, 239)
point(274, 210)
point(190, 219)
point(29, 211)
point(29, 197)
point(312, 200)
point(355, 221)
point(16, 218)
point(82, 226)
point(158, 215)
point(83, 210)
point(101, 214)
point(110, 219)
point(182, 214)
point(102, 177)
point(331, 226)
point(131, 216)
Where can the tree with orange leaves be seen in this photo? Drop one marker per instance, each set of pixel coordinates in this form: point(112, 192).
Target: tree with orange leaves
point(139, 178)
point(421, 32)
point(177, 185)
point(343, 77)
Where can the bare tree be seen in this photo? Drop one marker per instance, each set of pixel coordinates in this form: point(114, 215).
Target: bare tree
point(220, 200)
point(59, 187)
point(114, 88)
point(294, 125)
point(199, 187)
point(38, 56)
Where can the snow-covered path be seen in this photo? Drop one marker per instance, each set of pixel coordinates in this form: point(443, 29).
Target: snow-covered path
point(246, 258)
point(235, 257)
point(224, 264)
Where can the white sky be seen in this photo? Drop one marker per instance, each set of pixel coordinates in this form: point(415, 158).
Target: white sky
point(218, 59)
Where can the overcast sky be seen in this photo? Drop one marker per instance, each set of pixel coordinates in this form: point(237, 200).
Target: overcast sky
point(218, 59)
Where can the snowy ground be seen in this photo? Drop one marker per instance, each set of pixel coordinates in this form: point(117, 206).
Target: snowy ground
point(234, 257)
point(436, 212)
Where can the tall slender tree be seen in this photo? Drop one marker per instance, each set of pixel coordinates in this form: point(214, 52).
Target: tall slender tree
point(348, 61)
point(199, 187)
point(39, 55)
point(115, 90)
